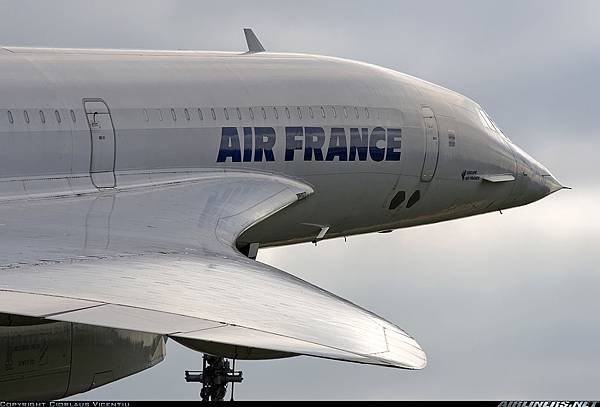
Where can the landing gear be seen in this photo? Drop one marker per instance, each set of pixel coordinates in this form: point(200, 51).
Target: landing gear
point(215, 376)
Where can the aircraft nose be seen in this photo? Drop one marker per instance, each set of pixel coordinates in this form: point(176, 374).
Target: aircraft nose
point(544, 179)
point(534, 181)
point(552, 183)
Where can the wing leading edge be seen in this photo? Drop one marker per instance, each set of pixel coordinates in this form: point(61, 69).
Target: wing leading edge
point(161, 258)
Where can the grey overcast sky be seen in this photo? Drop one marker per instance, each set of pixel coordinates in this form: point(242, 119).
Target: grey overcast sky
point(506, 306)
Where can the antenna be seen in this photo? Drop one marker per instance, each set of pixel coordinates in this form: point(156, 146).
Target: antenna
point(254, 44)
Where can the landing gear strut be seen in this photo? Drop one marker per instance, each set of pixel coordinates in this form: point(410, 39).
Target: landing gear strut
point(215, 376)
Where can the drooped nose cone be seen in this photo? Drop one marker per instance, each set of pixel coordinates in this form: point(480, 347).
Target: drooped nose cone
point(534, 181)
point(552, 183)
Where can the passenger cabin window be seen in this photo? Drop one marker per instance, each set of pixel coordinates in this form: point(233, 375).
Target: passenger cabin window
point(367, 112)
point(345, 112)
point(323, 112)
point(226, 113)
point(160, 115)
point(10, 117)
point(42, 116)
point(239, 113)
point(299, 113)
point(356, 112)
point(251, 113)
point(212, 112)
point(264, 113)
point(276, 113)
point(287, 112)
point(187, 114)
point(334, 110)
point(173, 115)
point(26, 116)
point(310, 112)
point(57, 114)
point(146, 116)
point(200, 115)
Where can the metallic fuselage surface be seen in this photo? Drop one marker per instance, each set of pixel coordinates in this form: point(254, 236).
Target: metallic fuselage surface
point(98, 148)
point(356, 132)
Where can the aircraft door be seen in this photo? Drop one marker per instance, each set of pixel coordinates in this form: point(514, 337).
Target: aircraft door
point(432, 145)
point(102, 132)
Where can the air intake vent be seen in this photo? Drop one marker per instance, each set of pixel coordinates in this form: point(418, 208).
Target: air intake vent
point(397, 200)
point(414, 198)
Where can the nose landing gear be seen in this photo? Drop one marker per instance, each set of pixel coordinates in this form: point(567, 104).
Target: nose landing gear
point(215, 376)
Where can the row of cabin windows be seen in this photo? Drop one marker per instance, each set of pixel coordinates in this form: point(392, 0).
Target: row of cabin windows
point(263, 112)
point(188, 115)
point(11, 117)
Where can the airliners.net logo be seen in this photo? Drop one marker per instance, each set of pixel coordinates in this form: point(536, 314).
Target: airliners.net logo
point(549, 404)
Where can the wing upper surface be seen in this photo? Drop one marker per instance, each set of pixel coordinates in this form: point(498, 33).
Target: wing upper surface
point(161, 258)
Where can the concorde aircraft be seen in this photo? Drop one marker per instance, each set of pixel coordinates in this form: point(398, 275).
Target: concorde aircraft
point(136, 188)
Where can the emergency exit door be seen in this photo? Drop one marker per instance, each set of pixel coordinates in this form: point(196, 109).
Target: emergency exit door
point(432, 145)
point(102, 132)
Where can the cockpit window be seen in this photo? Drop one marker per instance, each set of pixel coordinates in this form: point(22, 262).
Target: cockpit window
point(488, 123)
point(492, 123)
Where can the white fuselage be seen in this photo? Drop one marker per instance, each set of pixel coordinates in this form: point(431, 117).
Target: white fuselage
point(128, 179)
point(382, 150)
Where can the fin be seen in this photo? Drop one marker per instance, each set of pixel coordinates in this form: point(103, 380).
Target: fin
point(254, 44)
point(498, 178)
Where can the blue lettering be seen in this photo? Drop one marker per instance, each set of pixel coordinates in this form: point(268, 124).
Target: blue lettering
point(379, 145)
point(394, 144)
point(264, 140)
point(230, 145)
point(377, 153)
point(337, 145)
point(314, 139)
point(291, 141)
point(247, 144)
point(358, 144)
